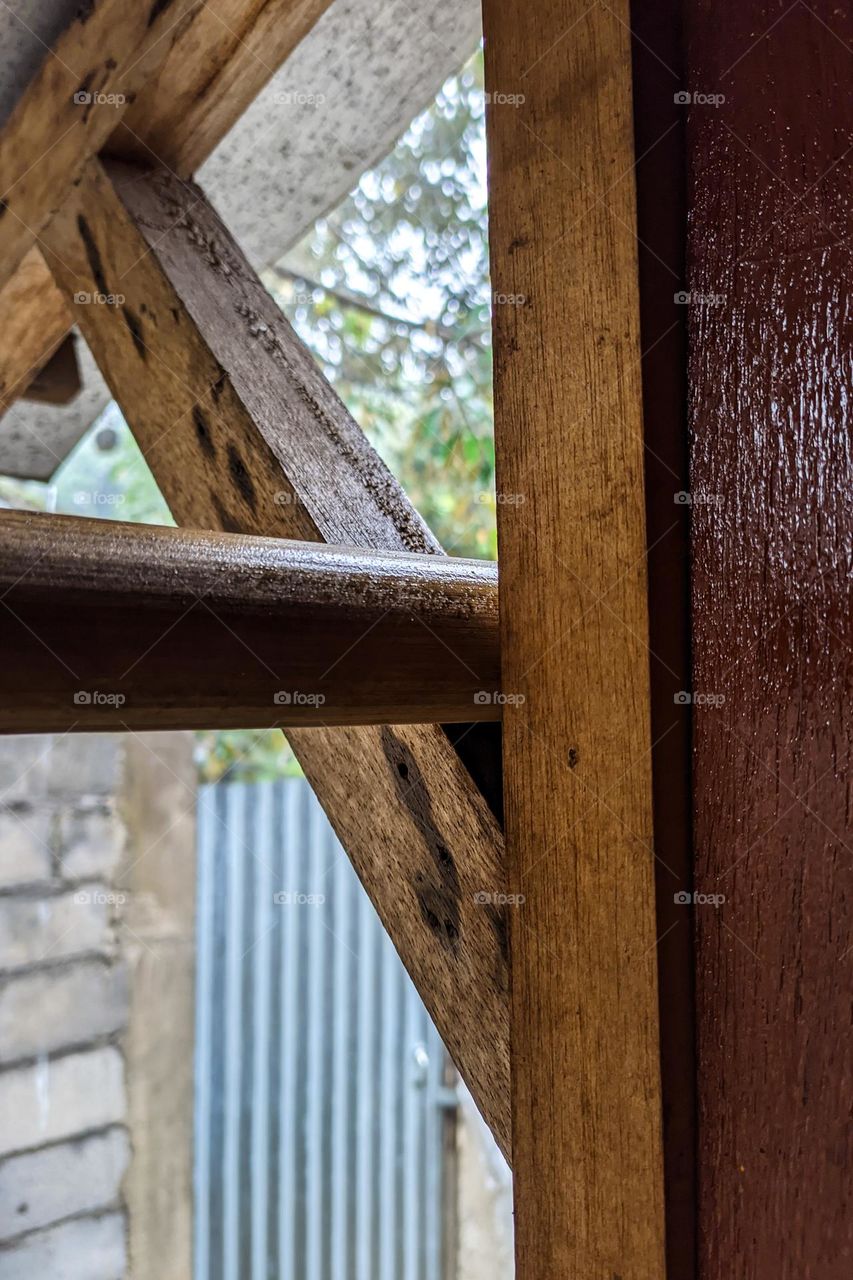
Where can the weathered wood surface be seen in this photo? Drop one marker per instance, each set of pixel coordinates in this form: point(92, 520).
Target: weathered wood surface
point(167, 628)
point(243, 434)
point(71, 106)
point(57, 382)
point(568, 425)
point(212, 69)
point(34, 319)
point(216, 67)
point(771, 484)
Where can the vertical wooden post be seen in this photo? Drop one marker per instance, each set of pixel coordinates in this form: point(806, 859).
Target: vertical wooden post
point(574, 627)
point(770, 134)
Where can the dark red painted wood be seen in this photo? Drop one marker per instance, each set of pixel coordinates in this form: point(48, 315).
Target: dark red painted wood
point(772, 518)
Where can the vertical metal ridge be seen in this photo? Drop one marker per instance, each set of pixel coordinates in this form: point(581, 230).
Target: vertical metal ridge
point(203, 1072)
point(260, 965)
point(233, 1010)
point(246, 867)
point(313, 1030)
point(320, 1101)
point(341, 1150)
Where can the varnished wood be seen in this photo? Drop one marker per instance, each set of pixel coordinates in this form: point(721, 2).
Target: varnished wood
point(172, 629)
point(89, 77)
point(243, 434)
point(588, 1178)
point(772, 629)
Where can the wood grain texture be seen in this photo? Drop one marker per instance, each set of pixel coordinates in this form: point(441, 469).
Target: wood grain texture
point(568, 424)
point(243, 434)
point(34, 319)
point(771, 481)
point(182, 630)
point(216, 67)
point(58, 381)
point(219, 61)
point(71, 106)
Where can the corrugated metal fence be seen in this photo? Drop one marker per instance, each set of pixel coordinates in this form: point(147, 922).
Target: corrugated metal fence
point(323, 1123)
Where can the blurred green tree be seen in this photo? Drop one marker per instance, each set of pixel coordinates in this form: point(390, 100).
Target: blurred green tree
point(391, 292)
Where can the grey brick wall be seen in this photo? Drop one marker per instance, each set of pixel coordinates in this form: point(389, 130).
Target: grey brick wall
point(55, 1007)
point(77, 953)
point(59, 1098)
point(92, 1248)
point(63, 1180)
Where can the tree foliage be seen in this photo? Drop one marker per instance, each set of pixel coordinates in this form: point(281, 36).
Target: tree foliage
point(391, 292)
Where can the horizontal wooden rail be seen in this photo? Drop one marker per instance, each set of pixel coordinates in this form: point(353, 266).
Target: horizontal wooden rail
point(108, 625)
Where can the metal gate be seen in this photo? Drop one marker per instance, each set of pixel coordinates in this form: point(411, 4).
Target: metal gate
point(323, 1121)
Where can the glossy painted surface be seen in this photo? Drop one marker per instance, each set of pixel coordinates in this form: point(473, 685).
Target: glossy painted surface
point(771, 487)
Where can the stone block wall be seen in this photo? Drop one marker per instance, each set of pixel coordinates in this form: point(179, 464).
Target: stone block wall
point(84, 958)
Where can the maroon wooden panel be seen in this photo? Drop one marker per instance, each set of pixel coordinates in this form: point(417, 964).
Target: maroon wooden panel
point(769, 138)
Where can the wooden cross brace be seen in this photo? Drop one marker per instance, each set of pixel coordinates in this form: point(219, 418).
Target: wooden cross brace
point(245, 437)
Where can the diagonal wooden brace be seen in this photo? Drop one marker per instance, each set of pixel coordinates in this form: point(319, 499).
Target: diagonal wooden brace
point(243, 433)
